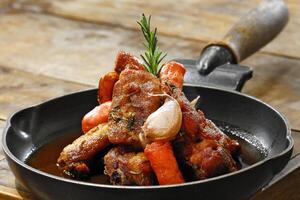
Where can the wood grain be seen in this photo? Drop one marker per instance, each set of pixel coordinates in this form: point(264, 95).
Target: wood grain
point(5, 5)
point(10, 194)
point(194, 19)
point(286, 189)
point(296, 136)
point(69, 50)
point(7, 180)
point(20, 89)
point(2, 124)
point(81, 52)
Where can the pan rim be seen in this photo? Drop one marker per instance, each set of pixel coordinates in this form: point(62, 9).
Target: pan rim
point(86, 184)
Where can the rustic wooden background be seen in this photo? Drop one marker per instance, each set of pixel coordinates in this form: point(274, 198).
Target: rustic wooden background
point(50, 48)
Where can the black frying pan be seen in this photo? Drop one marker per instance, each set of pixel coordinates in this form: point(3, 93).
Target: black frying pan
point(33, 127)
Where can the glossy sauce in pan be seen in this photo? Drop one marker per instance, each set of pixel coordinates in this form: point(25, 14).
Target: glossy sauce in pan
point(44, 158)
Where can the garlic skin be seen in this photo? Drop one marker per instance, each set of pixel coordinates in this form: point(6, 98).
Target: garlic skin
point(195, 101)
point(163, 124)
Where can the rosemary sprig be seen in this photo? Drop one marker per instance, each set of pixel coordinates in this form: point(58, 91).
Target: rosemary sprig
point(152, 56)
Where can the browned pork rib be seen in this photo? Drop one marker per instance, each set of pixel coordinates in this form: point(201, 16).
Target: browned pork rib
point(74, 159)
point(203, 159)
point(128, 168)
point(131, 105)
point(212, 132)
point(203, 146)
point(196, 125)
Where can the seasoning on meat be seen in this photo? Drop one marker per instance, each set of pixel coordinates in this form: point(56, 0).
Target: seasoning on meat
point(126, 167)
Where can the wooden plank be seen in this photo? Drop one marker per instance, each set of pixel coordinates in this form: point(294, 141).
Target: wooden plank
point(285, 189)
point(21, 89)
point(2, 124)
point(73, 51)
point(7, 193)
point(296, 136)
point(81, 52)
point(195, 19)
point(7, 180)
point(4, 4)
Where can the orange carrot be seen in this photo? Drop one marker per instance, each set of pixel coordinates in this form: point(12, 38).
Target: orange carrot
point(96, 116)
point(163, 162)
point(106, 86)
point(172, 72)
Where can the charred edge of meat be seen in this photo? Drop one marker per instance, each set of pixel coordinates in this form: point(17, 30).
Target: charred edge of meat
point(83, 170)
point(114, 114)
point(127, 167)
point(181, 160)
point(78, 170)
point(130, 123)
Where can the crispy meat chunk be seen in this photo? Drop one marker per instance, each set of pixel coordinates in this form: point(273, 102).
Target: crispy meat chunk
point(125, 167)
point(203, 159)
point(74, 159)
point(196, 125)
point(192, 121)
point(210, 159)
point(212, 132)
point(203, 146)
point(131, 105)
point(126, 60)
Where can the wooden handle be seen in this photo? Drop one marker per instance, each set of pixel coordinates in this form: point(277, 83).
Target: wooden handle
point(256, 28)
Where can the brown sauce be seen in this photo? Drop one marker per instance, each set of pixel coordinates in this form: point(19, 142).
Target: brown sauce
point(45, 158)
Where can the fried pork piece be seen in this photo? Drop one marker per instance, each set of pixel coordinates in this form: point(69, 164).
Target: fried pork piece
point(192, 121)
point(125, 60)
point(131, 105)
point(196, 125)
point(210, 159)
point(75, 158)
point(128, 168)
point(203, 146)
point(205, 159)
point(212, 132)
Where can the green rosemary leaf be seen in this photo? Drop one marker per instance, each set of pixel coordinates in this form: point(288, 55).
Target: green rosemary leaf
point(152, 56)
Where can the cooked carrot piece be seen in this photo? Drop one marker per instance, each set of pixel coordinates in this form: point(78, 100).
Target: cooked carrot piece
point(172, 72)
point(124, 59)
point(96, 116)
point(162, 159)
point(106, 86)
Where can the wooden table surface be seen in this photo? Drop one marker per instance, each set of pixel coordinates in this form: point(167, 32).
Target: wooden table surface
point(50, 48)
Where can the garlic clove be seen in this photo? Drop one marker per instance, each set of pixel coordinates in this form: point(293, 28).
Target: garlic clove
point(163, 124)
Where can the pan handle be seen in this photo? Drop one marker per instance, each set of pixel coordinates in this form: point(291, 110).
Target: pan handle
point(257, 29)
point(253, 31)
point(228, 76)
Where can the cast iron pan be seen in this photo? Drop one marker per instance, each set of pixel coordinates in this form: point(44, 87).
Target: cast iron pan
point(35, 126)
point(31, 128)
